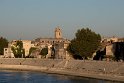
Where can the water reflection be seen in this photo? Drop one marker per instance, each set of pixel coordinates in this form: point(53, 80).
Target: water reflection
point(37, 77)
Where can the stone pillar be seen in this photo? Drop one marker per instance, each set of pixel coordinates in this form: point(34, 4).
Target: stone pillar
point(49, 51)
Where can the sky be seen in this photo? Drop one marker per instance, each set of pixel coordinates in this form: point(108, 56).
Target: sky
point(30, 19)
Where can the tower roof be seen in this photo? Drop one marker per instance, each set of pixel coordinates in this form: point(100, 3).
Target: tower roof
point(57, 28)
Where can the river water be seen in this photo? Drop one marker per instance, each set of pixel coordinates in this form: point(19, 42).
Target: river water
point(7, 76)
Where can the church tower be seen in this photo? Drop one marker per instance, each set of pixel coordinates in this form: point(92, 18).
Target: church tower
point(58, 33)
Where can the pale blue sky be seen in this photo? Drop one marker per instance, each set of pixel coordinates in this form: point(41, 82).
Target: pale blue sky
point(29, 19)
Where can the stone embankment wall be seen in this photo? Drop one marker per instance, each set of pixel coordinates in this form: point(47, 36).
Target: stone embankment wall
point(93, 69)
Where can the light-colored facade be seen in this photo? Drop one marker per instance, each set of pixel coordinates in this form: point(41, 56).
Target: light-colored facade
point(58, 33)
point(60, 44)
point(8, 53)
point(110, 50)
point(26, 46)
point(108, 44)
point(112, 46)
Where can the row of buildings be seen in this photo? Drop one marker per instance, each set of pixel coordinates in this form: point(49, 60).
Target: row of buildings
point(57, 46)
point(58, 42)
point(113, 47)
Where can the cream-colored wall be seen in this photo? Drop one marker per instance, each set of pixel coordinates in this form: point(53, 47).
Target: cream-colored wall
point(8, 53)
point(58, 33)
point(27, 45)
point(109, 50)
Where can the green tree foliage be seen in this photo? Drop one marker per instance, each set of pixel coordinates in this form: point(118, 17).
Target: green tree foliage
point(84, 44)
point(18, 50)
point(3, 44)
point(44, 51)
point(31, 50)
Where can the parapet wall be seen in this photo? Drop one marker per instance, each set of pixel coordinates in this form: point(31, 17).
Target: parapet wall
point(65, 66)
point(94, 66)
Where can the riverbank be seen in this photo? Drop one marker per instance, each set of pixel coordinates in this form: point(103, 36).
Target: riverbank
point(93, 69)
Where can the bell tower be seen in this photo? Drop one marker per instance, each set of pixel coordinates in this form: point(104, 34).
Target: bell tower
point(58, 33)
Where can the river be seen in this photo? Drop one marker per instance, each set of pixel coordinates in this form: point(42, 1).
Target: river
point(7, 76)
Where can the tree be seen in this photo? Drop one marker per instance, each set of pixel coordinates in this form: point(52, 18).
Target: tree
point(44, 51)
point(84, 44)
point(18, 50)
point(31, 50)
point(3, 44)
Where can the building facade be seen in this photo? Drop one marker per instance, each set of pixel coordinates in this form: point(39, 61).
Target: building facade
point(8, 53)
point(114, 47)
point(59, 44)
point(56, 46)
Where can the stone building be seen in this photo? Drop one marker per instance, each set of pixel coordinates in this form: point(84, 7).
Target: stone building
point(114, 47)
point(26, 46)
point(56, 46)
point(60, 44)
point(58, 33)
point(108, 44)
